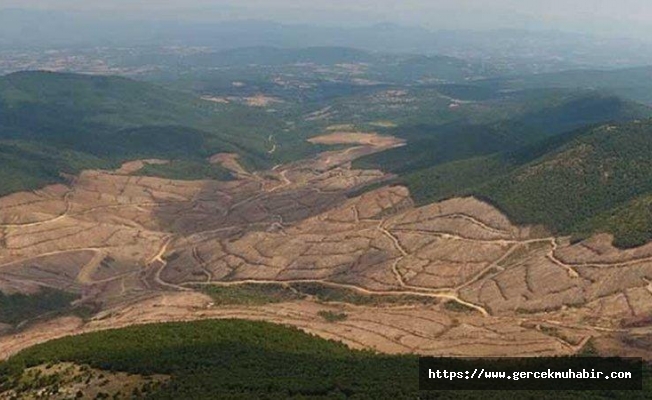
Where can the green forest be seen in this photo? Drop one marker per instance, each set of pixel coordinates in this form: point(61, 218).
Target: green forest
point(569, 159)
point(588, 181)
point(566, 167)
point(232, 359)
point(18, 307)
point(53, 123)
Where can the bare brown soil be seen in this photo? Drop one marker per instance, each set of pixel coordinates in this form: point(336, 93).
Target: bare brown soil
point(140, 247)
point(384, 124)
point(260, 100)
point(134, 166)
point(230, 162)
point(213, 99)
point(365, 139)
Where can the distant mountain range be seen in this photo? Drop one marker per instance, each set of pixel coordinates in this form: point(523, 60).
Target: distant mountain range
point(521, 51)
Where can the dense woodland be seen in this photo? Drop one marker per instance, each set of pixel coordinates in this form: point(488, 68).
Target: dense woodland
point(569, 167)
point(591, 180)
point(232, 359)
point(18, 307)
point(53, 123)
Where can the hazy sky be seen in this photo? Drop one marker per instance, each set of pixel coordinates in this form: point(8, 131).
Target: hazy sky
point(611, 17)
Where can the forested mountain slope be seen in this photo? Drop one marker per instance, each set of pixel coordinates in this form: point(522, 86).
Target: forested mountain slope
point(632, 83)
point(52, 123)
point(590, 180)
point(505, 123)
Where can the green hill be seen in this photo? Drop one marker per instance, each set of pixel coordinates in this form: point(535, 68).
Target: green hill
point(631, 83)
point(494, 147)
point(233, 359)
point(52, 123)
point(502, 124)
point(590, 180)
point(590, 184)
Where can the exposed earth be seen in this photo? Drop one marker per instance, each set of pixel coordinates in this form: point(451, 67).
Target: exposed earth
point(144, 249)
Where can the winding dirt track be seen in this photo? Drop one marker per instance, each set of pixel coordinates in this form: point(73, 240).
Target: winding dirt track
point(456, 278)
point(66, 199)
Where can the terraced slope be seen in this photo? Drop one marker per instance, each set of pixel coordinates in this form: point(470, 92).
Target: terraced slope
point(453, 278)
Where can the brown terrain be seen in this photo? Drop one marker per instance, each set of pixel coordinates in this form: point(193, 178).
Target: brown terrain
point(454, 278)
point(259, 100)
point(230, 162)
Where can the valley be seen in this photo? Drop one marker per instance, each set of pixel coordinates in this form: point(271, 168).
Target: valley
point(325, 201)
point(453, 278)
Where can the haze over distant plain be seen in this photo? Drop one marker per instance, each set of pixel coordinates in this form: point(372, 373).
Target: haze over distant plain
point(622, 18)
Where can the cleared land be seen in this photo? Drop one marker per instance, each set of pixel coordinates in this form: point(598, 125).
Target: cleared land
point(458, 278)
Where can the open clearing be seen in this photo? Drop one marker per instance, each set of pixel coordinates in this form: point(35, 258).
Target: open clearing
point(143, 248)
